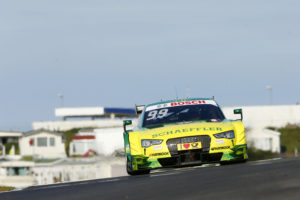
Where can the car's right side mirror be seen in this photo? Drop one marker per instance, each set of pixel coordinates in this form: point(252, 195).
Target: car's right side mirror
point(238, 112)
point(126, 123)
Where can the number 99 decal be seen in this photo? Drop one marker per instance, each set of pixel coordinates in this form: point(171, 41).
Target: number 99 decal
point(154, 114)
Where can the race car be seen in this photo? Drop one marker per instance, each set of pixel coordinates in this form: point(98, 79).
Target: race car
point(183, 132)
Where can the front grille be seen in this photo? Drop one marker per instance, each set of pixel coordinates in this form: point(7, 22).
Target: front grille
point(189, 158)
point(204, 139)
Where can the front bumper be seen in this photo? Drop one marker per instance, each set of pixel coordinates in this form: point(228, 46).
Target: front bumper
point(190, 158)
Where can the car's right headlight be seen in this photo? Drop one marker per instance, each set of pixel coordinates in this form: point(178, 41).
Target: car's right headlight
point(148, 143)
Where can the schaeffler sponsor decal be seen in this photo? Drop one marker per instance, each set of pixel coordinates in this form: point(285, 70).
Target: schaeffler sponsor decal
point(186, 130)
point(180, 103)
point(159, 154)
point(220, 148)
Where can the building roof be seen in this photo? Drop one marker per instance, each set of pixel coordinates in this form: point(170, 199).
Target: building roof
point(10, 134)
point(93, 112)
point(34, 132)
point(17, 163)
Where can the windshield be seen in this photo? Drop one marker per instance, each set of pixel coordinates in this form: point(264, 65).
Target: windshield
point(187, 113)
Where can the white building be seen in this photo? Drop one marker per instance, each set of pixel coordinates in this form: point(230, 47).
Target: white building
point(101, 117)
point(76, 169)
point(263, 139)
point(16, 173)
point(9, 137)
point(258, 118)
point(43, 144)
point(104, 141)
point(83, 143)
point(264, 116)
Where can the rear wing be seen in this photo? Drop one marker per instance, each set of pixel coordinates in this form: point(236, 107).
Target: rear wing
point(139, 109)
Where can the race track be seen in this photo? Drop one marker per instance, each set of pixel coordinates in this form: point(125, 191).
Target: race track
point(272, 179)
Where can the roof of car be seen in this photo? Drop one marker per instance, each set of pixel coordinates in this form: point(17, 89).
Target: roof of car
point(179, 100)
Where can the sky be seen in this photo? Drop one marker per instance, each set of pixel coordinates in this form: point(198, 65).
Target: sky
point(119, 53)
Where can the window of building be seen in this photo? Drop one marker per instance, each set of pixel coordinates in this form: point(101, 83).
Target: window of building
point(18, 171)
point(41, 141)
point(52, 141)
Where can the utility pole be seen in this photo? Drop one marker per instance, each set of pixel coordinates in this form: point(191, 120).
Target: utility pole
point(270, 89)
point(61, 96)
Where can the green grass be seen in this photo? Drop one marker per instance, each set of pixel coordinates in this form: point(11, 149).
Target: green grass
point(27, 158)
point(290, 138)
point(6, 188)
point(30, 158)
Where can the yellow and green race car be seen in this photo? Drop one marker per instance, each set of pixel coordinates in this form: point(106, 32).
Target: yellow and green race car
point(183, 132)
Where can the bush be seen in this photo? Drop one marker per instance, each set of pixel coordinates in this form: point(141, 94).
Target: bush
point(255, 154)
point(290, 138)
point(9, 145)
point(68, 138)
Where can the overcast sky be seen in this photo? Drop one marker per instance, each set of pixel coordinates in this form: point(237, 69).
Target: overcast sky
point(120, 53)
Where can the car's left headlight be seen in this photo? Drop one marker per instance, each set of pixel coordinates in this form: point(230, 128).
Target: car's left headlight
point(228, 135)
point(148, 143)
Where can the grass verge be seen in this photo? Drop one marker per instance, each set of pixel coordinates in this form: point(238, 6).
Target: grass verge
point(6, 188)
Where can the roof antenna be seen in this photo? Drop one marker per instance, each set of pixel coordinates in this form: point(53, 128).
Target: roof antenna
point(176, 92)
point(213, 97)
point(188, 92)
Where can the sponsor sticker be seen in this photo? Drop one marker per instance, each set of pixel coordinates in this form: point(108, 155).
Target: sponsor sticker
point(188, 146)
point(180, 103)
point(159, 154)
point(220, 142)
point(157, 147)
point(220, 148)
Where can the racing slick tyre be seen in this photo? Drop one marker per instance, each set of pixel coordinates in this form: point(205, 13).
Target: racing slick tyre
point(136, 172)
point(233, 162)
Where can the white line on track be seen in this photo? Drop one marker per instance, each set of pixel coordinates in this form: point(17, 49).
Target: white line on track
point(167, 174)
point(60, 185)
point(263, 162)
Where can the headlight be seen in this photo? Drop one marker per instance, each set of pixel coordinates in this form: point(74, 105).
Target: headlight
point(228, 135)
point(148, 143)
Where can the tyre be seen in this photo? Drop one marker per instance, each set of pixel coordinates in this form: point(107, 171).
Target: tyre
point(233, 162)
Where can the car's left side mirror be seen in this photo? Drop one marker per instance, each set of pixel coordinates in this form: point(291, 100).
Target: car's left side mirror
point(238, 112)
point(126, 123)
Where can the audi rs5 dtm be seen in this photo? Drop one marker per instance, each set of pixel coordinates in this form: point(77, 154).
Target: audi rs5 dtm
point(183, 133)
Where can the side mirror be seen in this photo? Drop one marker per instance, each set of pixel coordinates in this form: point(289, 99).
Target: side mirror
point(238, 112)
point(126, 123)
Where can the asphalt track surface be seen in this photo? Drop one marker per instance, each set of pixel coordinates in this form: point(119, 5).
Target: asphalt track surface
point(272, 179)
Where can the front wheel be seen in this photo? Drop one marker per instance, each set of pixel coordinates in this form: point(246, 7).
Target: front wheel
point(134, 172)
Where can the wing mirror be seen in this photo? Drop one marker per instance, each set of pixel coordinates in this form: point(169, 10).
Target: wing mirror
point(238, 112)
point(126, 123)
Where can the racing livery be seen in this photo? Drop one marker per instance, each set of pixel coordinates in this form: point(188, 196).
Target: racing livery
point(183, 133)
